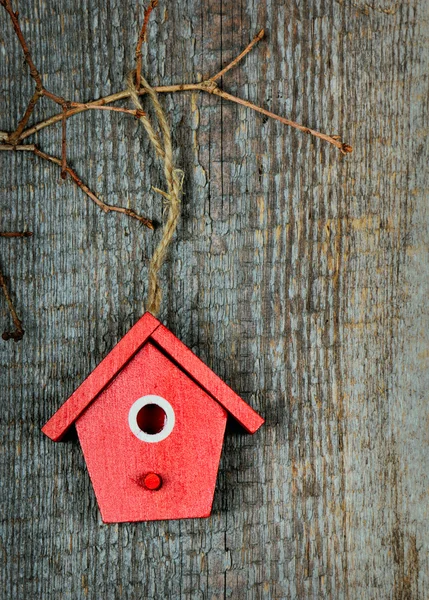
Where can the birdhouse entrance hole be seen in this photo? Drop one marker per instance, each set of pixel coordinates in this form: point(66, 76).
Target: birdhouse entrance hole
point(151, 418)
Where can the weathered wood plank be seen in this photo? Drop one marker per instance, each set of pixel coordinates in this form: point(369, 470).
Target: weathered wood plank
point(299, 276)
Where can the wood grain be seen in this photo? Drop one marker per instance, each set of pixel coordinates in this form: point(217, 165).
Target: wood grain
point(299, 276)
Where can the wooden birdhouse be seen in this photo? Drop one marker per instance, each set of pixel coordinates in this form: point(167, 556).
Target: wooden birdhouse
point(151, 420)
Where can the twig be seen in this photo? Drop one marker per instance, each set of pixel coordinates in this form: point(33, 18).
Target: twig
point(101, 103)
point(105, 207)
point(210, 86)
point(15, 136)
point(236, 60)
point(64, 145)
point(28, 58)
point(19, 331)
point(57, 99)
point(11, 140)
point(27, 55)
point(12, 148)
point(77, 180)
point(40, 90)
point(14, 234)
point(334, 140)
point(90, 106)
point(141, 39)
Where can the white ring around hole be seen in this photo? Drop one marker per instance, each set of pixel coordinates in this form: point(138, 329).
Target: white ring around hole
point(169, 421)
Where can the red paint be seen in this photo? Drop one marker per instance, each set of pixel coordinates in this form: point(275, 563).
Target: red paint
point(101, 376)
point(153, 481)
point(205, 377)
point(151, 361)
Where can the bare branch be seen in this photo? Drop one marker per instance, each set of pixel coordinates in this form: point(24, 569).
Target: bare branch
point(334, 140)
point(141, 39)
point(22, 147)
point(14, 234)
point(27, 54)
point(102, 103)
point(236, 60)
point(127, 111)
point(208, 86)
point(14, 137)
point(12, 141)
point(64, 144)
point(18, 333)
point(105, 207)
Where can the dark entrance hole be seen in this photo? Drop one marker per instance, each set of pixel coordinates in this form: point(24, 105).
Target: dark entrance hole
point(151, 419)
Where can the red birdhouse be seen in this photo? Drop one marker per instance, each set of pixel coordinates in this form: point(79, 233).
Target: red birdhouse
point(151, 419)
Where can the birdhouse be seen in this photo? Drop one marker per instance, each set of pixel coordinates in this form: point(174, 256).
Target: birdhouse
point(151, 419)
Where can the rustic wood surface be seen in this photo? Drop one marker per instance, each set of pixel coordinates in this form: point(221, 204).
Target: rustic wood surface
point(299, 275)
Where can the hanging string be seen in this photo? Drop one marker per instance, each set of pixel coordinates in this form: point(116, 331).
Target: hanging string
point(174, 180)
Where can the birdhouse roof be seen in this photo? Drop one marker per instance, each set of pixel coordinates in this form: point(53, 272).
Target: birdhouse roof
point(148, 328)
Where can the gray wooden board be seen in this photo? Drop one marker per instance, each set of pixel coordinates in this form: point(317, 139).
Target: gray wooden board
point(300, 276)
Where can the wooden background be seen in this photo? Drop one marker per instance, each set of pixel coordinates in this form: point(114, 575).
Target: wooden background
point(299, 275)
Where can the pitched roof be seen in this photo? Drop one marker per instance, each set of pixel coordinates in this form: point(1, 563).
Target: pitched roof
point(148, 328)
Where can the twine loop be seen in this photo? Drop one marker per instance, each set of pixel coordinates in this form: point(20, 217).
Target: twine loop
point(174, 180)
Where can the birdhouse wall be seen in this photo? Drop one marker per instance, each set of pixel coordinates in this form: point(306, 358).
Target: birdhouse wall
point(187, 460)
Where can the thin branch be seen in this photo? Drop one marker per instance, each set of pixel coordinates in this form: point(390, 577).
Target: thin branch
point(22, 147)
point(19, 332)
point(57, 99)
point(40, 90)
point(27, 55)
point(105, 207)
point(103, 102)
point(10, 141)
point(14, 137)
point(28, 58)
point(141, 39)
point(236, 60)
point(88, 106)
point(64, 144)
point(334, 140)
point(15, 234)
point(209, 86)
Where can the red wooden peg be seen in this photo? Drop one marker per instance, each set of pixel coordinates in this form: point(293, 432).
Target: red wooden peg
point(153, 481)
